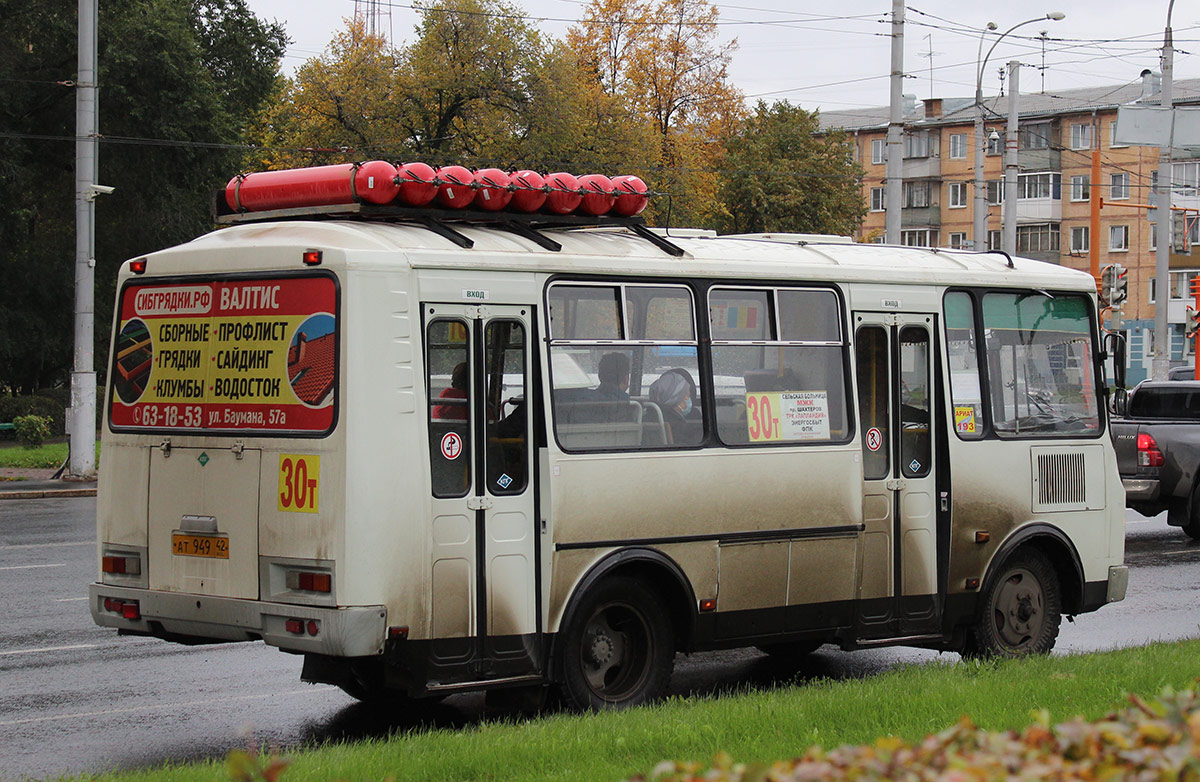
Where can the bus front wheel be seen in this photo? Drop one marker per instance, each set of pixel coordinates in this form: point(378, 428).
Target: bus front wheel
point(617, 649)
point(1021, 610)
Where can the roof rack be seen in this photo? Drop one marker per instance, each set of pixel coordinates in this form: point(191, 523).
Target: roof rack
point(442, 221)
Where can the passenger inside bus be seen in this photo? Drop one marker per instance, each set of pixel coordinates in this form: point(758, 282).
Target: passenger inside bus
point(674, 394)
point(613, 369)
point(455, 410)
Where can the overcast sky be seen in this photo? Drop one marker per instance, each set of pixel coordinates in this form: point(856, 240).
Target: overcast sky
point(841, 60)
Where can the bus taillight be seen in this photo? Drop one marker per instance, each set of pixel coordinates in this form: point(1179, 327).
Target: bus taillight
point(308, 581)
point(125, 566)
point(1148, 454)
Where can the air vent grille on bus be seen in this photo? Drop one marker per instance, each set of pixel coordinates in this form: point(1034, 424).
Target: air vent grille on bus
point(1062, 479)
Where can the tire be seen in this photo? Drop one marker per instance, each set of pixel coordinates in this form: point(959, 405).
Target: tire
point(791, 650)
point(617, 649)
point(1021, 609)
point(1192, 527)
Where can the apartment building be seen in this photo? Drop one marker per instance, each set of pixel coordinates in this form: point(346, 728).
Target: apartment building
point(1058, 133)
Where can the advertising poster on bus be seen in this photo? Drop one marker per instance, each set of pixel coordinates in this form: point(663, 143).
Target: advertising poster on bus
point(233, 355)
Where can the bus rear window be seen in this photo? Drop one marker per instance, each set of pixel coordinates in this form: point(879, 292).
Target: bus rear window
point(233, 355)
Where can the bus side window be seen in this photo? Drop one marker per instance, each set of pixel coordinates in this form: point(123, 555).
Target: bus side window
point(447, 388)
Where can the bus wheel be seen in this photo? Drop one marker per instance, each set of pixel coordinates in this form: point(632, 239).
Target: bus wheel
point(1022, 609)
point(617, 649)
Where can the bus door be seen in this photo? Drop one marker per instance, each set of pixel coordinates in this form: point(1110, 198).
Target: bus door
point(483, 589)
point(894, 365)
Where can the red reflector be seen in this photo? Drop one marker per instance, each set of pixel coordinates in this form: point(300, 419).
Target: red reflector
point(708, 604)
point(113, 565)
point(972, 583)
point(138, 266)
point(294, 626)
point(312, 257)
point(131, 610)
point(112, 605)
point(312, 627)
point(398, 632)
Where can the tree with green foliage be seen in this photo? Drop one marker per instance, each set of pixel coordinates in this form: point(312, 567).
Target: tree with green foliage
point(782, 173)
point(180, 81)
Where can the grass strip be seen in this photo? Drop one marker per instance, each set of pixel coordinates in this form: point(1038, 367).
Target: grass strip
point(47, 455)
point(756, 726)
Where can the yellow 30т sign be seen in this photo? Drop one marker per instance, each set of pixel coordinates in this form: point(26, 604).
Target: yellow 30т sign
point(299, 482)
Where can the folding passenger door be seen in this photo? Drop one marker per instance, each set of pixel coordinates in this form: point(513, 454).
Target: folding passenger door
point(484, 528)
point(894, 358)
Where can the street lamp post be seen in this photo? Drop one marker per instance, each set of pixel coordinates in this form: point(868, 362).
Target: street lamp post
point(979, 239)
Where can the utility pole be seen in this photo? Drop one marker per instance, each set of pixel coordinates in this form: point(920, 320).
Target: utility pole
point(894, 168)
point(1162, 200)
point(81, 418)
point(1008, 239)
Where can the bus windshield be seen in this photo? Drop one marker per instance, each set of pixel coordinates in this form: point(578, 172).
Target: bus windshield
point(1040, 364)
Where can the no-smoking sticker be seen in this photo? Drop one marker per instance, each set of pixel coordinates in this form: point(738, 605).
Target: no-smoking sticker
point(451, 445)
point(874, 439)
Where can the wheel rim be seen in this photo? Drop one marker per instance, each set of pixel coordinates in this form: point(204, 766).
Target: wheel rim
point(615, 651)
point(1019, 609)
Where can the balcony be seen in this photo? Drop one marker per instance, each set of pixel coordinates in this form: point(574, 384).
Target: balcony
point(1036, 210)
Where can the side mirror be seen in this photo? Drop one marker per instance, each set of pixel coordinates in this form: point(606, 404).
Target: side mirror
point(1120, 402)
point(1114, 346)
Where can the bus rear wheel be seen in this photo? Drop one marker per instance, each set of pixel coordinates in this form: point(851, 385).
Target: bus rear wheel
point(1022, 610)
point(617, 649)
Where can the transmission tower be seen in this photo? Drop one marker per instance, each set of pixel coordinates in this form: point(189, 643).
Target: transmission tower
point(373, 13)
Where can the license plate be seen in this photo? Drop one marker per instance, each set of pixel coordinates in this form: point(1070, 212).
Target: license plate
point(200, 546)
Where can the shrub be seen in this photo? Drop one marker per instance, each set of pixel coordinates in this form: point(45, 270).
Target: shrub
point(32, 430)
point(51, 404)
point(1159, 740)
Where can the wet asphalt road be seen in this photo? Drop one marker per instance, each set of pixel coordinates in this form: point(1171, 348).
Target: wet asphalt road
point(77, 698)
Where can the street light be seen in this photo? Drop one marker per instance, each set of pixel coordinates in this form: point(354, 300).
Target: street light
point(980, 230)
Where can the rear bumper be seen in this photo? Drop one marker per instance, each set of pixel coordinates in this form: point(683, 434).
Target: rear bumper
point(1140, 489)
point(357, 631)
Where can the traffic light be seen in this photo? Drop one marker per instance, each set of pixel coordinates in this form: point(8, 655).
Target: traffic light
point(1180, 237)
point(1114, 285)
point(1193, 323)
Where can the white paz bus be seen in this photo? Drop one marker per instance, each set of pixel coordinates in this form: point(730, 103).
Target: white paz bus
point(466, 453)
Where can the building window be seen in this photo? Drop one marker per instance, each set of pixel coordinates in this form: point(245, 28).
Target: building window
point(1112, 135)
point(958, 195)
point(1118, 187)
point(1118, 238)
point(878, 199)
point(995, 142)
point(916, 194)
point(994, 240)
point(995, 191)
point(1040, 237)
point(924, 237)
point(958, 146)
point(878, 150)
point(1181, 285)
point(916, 144)
point(1044, 185)
point(1081, 189)
point(1081, 136)
point(1080, 239)
point(957, 240)
point(1185, 177)
point(1035, 136)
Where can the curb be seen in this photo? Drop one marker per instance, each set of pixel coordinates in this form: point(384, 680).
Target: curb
point(35, 494)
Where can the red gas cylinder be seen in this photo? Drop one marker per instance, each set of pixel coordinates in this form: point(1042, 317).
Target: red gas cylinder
point(456, 187)
point(564, 196)
point(494, 189)
point(530, 192)
point(598, 195)
point(632, 195)
point(417, 187)
point(346, 183)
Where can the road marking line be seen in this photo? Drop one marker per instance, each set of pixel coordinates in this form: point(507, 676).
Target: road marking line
point(31, 567)
point(16, 546)
point(68, 599)
point(50, 649)
point(1182, 551)
point(174, 705)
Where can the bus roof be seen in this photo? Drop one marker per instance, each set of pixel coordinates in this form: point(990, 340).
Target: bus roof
point(617, 250)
